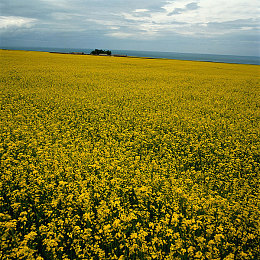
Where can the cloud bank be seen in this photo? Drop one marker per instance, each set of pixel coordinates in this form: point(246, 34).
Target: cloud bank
point(181, 25)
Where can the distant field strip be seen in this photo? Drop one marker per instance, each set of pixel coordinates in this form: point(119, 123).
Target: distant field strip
point(119, 158)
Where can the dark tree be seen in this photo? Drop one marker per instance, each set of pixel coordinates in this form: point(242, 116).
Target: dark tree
point(97, 52)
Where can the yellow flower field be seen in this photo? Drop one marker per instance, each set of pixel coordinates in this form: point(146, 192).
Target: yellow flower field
point(128, 158)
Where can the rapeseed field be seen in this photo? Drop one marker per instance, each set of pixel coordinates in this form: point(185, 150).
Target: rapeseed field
point(128, 158)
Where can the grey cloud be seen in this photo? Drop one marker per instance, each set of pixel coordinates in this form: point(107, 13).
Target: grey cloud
point(188, 7)
point(25, 8)
point(39, 8)
point(192, 6)
point(177, 11)
point(236, 24)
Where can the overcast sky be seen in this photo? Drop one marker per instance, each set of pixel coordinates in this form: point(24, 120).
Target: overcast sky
point(198, 26)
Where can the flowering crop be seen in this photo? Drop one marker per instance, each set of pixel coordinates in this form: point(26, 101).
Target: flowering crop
point(128, 158)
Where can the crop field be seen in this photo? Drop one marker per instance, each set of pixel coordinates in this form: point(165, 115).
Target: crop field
point(128, 158)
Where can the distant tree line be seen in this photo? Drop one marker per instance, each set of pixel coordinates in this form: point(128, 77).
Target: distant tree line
point(97, 52)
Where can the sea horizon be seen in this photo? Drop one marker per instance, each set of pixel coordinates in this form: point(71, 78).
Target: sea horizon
point(219, 58)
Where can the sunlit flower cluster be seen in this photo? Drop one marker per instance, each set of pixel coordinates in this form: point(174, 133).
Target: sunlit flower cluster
point(128, 158)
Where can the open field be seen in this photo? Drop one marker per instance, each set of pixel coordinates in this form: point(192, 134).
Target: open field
point(118, 158)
